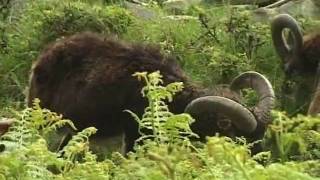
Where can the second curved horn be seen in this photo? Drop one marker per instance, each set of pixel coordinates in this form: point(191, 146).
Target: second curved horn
point(278, 25)
point(263, 87)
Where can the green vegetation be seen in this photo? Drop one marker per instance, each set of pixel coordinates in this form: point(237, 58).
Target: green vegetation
point(213, 46)
point(41, 22)
point(164, 155)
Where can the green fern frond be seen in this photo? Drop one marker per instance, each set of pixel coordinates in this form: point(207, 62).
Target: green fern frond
point(165, 126)
point(77, 146)
point(34, 122)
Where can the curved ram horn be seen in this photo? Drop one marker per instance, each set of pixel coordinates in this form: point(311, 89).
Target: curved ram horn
point(278, 25)
point(240, 116)
point(264, 89)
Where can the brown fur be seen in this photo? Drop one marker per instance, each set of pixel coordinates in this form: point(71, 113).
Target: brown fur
point(306, 61)
point(314, 107)
point(310, 54)
point(88, 78)
point(303, 71)
point(309, 62)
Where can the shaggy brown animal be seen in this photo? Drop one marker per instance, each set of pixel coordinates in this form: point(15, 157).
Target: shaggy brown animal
point(88, 79)
point(300, 55)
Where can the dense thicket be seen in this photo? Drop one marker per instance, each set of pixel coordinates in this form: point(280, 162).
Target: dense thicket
point(212, 44)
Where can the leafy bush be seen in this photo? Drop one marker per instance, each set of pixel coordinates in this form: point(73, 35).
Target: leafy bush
point(42, 22)
point(26, 154)
point(215, 47)
point(294, 139)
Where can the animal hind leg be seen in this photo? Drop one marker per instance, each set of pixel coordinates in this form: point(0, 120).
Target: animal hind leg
point(131, 135)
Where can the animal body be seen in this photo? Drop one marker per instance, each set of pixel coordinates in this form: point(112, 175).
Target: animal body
point(88, 79)
point(300, 56)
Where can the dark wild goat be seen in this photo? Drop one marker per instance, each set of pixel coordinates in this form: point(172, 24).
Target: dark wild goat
point(300, 56)
point(88, 79)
